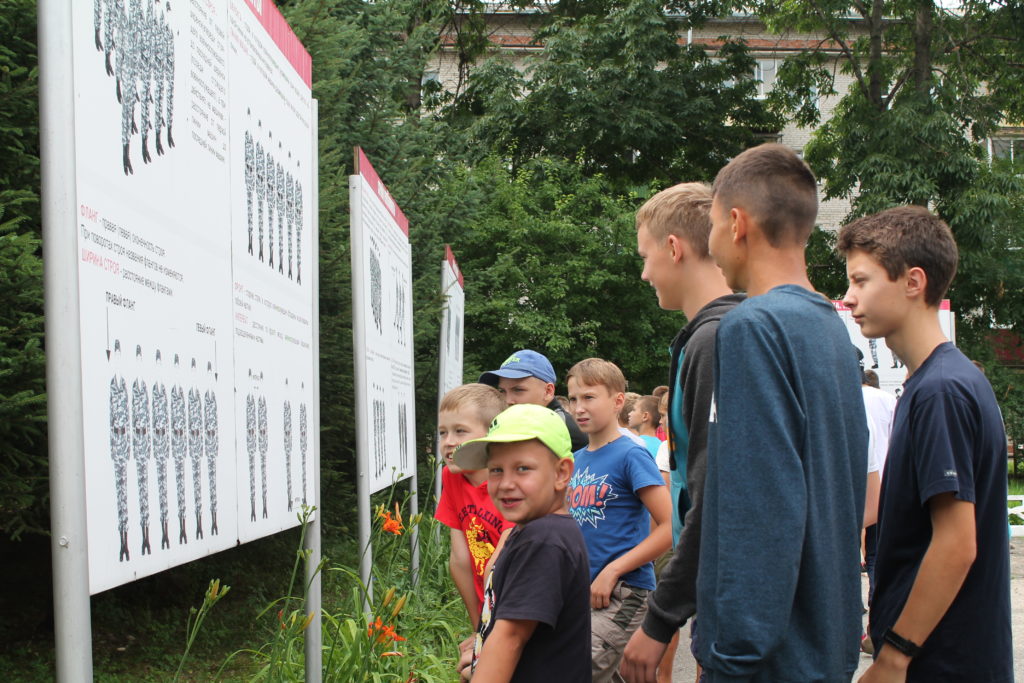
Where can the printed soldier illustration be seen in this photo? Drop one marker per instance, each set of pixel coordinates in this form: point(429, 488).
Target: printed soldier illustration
point(165, 79)
point(271, 202)
point(120, 450)
point(210, 423)
point(403, 440)
point(141, 447)
point(250, 447)
point(298, 231)
point(282, 209)
point(195, 448)
point(179, 448)
point(289, 194)
point(376, 287)
point(303, 442)
point(161, 448)
point(128, 64)
point(873, 348)
point(260, 180)
point(146, 46)
point(250, 180)
point(264, 442)
point(138, 50)
point(288, 447)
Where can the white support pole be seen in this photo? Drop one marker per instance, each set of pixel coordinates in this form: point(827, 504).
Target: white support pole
point(69, 543)
point(414, 537)
point(314, 602)
point(362, 420)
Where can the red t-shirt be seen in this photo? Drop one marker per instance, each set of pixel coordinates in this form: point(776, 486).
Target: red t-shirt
point(470, 509)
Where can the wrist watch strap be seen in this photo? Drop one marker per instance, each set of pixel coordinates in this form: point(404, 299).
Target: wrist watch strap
point(907, 647)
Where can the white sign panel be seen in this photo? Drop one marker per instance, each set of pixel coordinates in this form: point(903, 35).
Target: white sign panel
point(382, 311)
point(454, 293)
point(877, 356)
point(181, 319)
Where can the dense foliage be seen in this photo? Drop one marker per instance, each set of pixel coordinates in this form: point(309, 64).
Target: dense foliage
point(533, 178)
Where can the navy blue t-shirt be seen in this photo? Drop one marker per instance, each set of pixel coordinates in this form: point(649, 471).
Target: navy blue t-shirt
point(947, 436)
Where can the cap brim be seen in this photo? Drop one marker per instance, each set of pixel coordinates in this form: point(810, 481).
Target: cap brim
point(472, 455)
point(492, 376)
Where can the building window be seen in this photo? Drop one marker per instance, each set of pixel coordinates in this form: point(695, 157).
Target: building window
point(1010, 148)
point(764, 74)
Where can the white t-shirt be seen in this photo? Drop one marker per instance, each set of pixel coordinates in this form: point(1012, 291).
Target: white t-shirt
point(879, 406)
point(662, 458)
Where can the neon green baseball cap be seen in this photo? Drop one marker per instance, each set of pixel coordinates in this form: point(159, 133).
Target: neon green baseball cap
point(521, 422)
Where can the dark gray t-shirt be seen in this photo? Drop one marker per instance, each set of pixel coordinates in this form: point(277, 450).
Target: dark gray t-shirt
point(542, 575)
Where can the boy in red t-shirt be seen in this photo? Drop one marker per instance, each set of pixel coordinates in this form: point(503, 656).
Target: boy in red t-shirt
point(466, 413)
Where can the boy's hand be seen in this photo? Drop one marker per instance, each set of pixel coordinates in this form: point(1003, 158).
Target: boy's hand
point(641, 658)
point(889, 667)
point(602, 587)
point(467, 645)
point(465, 665)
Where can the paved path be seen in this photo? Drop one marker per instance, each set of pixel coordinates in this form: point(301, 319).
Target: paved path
point(685, 668)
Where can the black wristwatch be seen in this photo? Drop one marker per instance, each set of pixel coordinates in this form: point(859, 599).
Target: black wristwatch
point(907, 647)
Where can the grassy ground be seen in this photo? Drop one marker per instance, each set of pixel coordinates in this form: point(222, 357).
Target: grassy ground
point(140, 629)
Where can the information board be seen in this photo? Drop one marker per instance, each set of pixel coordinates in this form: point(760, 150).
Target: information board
point(876, 354)
point(382, 329)
point(454, 293)
point(195, 152)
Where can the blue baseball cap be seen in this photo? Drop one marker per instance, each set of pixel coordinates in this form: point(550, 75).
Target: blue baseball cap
point(522, 363)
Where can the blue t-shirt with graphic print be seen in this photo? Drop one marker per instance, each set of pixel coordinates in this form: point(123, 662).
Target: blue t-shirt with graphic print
point(603, 501)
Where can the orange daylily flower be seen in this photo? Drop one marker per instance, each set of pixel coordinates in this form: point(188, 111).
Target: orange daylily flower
point(383, 633)
point(391, 524)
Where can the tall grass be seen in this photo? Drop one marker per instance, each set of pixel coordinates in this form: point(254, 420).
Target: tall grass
point(411, 632)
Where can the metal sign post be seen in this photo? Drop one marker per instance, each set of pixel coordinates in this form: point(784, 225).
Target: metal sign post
point(72, 621)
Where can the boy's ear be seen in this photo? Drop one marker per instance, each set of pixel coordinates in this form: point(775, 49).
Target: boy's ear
point(675, 248)
point(916, 282)
point(739, 224)
point(549, 393)
point(563, 473)
point(620, 400)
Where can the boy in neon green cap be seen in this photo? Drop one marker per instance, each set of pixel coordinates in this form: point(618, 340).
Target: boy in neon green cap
point(535, 623)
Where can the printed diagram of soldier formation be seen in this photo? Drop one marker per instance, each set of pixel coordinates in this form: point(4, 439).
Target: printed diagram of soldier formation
point(269, 181)
point(137, 42)
point(258, 441)
point(162, 429)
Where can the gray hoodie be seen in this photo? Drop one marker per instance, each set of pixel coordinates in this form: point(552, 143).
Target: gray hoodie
point(693, 357)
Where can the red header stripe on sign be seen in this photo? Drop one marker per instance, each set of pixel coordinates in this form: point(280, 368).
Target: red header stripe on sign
point(283, 36)
point(365, 169)
point(449, 256)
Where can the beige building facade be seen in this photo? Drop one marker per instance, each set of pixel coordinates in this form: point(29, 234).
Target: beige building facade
point(512, 35)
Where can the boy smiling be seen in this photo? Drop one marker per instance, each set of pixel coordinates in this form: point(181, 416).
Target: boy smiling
point(535, 624)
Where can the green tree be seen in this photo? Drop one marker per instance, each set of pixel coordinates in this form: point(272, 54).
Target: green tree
point(930, 83)
point(23, 461)
point(614, 88)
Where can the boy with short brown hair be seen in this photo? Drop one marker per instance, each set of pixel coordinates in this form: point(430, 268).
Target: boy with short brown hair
point(614, 493)
point(465, 507)
point(778, 595)
point(535, 624)
point(941, 605)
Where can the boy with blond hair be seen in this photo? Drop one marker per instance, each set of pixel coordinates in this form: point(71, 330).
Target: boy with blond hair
point(672, 230)
point(535, 624)
point(778, 585)
point(465, 506)
point(941, 605)
point(614, 493)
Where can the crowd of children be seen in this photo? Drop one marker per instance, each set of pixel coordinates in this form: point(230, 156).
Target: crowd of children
point(749, 479)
